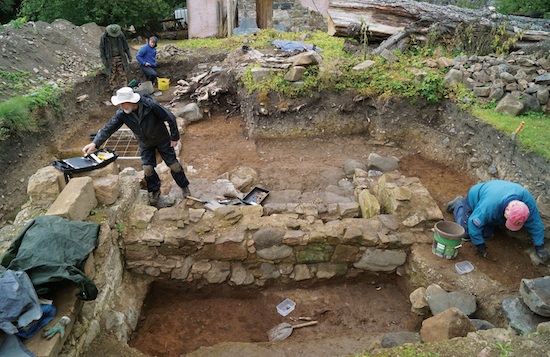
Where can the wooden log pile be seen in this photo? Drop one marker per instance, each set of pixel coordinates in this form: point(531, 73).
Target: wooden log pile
point(401, 18)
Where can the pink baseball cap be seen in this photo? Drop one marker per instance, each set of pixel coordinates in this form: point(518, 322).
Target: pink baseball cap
point(517, 216)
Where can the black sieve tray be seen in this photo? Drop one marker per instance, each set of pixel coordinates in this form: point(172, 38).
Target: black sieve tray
point(256, 196)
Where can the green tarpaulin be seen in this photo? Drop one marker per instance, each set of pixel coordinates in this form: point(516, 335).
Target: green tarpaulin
point(52, 250)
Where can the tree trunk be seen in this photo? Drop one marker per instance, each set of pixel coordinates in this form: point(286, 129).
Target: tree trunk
point(385, 18)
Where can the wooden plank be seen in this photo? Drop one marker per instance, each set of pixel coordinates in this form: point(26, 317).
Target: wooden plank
point(264, 13)
point(230, 17)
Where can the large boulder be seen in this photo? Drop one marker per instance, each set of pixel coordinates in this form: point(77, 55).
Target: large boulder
point(245, 178)
point(382, 163)
point(449, 324)
point(350, 165)
point(45, 185)
point(76, 200)
point(536, 294)
point(439, 300)
point(510, 105)
point(191, 113)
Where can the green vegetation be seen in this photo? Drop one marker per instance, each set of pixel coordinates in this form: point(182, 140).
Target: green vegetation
point(336, 73)
point(538, 7)
point(17, 81)
point(482, 41)
point(534, 136)
point(120, 228)
point(15, 23)
point(469, 5)
point(102, 12)
point(17, 115)
point(504, 349)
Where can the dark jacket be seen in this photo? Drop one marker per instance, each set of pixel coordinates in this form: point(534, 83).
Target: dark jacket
point(150, 132)
point(105, 52)
point(146, 54)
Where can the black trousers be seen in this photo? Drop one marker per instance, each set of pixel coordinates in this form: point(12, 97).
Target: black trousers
point(148, 157)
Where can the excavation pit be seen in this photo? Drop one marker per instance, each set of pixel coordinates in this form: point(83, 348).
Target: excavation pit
point(307, 165)
point(180, 318)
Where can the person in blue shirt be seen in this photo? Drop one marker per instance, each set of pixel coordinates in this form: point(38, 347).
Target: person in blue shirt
point(493, 203)
point(146, 57)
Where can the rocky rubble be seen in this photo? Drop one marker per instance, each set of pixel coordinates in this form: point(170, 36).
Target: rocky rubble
point(449, 313)
point(518, 82)
point(56, 52)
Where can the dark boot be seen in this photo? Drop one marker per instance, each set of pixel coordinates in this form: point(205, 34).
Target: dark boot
point(154, 198)
point(451, 205)
point(186, 191)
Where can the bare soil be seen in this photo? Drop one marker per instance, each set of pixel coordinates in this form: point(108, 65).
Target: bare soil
point(180, 319)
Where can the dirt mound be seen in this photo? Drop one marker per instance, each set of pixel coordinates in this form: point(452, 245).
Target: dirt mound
point(58, 52)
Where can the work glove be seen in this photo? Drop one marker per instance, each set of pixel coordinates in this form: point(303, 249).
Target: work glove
point(542, 253)
point(58, 327)
point(481, 248)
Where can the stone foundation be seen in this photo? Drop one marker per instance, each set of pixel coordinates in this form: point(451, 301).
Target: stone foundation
point(290, 14)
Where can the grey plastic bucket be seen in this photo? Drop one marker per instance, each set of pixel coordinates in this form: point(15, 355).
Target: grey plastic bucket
point(144, 88)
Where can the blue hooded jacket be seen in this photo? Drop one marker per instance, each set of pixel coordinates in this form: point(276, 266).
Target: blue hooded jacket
point(147, 54)
point(489, 200)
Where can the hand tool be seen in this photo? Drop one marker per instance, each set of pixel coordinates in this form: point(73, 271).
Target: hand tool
point(282, 331)
point(517, 130)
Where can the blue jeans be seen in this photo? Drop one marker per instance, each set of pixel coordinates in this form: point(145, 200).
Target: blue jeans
point(167, 153)
point(462, 213)
point(149, 72)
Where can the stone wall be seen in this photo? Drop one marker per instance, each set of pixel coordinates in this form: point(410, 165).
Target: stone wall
point(518, 82)
point(286, 241)
point(288, 14)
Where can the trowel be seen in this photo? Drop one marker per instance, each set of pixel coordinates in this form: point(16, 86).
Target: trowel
point(517, 131)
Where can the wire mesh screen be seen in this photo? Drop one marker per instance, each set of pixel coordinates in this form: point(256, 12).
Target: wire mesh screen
point(124, 143)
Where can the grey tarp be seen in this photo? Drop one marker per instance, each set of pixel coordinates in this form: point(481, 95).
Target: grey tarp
point(19, 309)
point(52, 250)
point(19, 304)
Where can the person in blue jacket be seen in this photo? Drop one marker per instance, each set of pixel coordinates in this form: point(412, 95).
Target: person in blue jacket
point(493, 203)
point(146, 57)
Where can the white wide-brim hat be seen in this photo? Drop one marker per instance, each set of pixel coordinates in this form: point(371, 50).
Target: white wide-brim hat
point(125, 95)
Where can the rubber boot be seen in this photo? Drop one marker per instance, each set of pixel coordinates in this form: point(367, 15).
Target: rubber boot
point(154, 198)
point(451, 205)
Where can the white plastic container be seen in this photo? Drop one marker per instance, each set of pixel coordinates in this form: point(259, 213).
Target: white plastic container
point(286, 307)
point(181, 15)
point(464, 267)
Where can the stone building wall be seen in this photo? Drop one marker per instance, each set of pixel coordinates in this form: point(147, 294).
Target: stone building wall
point(290, 14)
point(286, 241)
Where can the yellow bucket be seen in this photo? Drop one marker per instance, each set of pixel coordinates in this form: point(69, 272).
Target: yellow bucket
point(163, 83)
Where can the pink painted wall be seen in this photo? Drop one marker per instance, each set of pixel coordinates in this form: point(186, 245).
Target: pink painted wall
point(320, 5)
point(202, 18)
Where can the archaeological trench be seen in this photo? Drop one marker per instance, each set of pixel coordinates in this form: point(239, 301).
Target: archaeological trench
point(368, 226)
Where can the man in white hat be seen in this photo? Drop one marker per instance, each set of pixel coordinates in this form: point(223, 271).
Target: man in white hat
point(146, 118)
point(115, 55)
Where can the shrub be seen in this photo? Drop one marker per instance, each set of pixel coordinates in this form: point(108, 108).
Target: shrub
point(15, 117)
